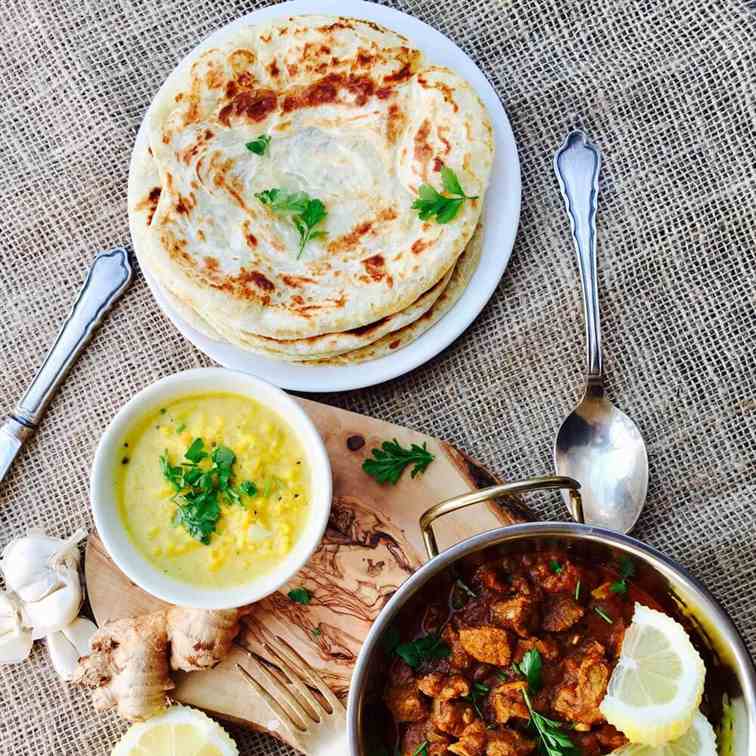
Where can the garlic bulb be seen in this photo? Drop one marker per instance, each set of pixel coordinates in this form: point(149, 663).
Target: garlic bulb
point(31, 565)
point(15, 640)
point(66, 646)
point(43, 600)
point(58, 608)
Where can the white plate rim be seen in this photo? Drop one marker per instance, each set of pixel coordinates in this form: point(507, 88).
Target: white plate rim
point(501, 216)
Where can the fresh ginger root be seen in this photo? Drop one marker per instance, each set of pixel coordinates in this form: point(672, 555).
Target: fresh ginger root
point(131, 660)
point(128, 667)
point(201, 638)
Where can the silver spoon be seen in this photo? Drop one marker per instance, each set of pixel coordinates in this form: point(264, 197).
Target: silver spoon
point(598, 445)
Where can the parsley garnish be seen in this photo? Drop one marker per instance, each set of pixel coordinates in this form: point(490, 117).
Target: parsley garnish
point(552, 740)
point(421, 750)
point(316, 631)
point(476, 693)
point(248, 488)
point(391, 639)
point(300, 595)
point(198, 489)
point(388, 462)
point(422, 649)
point(304, 211)
point(531, 666)
point(259, 145)
point(555, 567)
point(429, 202)
point(626, 571)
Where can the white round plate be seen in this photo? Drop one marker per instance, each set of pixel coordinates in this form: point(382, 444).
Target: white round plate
point(501, 217)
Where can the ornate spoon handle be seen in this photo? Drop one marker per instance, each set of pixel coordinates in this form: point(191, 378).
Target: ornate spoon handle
point(577, 164)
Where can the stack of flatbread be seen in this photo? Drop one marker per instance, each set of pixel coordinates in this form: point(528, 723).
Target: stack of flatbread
point(334, 109)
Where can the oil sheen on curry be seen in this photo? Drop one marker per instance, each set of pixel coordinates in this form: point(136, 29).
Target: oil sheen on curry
point(473, 655)
point(212, 488)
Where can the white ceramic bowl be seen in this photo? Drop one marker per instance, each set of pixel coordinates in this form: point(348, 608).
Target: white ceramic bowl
point(111, 528)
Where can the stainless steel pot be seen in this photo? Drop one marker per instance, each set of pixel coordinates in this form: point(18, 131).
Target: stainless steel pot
point(730, 672)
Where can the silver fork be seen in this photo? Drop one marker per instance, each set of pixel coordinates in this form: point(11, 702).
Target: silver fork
point(316, 724)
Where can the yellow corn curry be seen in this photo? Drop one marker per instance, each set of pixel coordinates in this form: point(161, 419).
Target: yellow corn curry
point(213, 488)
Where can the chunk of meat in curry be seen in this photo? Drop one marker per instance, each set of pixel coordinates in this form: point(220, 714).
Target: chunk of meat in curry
point(469, 700)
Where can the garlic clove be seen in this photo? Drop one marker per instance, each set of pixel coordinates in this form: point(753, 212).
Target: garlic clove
point(63, 655)
point(80, 633)
point(66, 646)
point(15, 640)
point(57, 609)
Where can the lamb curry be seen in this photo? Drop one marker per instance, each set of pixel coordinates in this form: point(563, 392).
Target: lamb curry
point(519, 650)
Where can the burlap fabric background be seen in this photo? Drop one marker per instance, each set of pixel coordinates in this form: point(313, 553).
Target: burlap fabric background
point(668, 89)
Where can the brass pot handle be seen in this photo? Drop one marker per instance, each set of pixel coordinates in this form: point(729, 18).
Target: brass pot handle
point(543, 483)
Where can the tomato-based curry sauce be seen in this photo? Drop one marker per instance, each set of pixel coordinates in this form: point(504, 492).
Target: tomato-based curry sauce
point(487, 647)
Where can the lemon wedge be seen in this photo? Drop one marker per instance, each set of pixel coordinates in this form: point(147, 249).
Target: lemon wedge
point(180, 731)
point(699, 740)
point(656, 687)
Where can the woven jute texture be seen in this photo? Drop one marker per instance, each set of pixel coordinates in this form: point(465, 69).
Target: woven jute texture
point(667, 89)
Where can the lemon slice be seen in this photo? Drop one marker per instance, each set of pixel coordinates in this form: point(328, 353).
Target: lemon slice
point(656, 687)
point(180, 731)
point(699, 740)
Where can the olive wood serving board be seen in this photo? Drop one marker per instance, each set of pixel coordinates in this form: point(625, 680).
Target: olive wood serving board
point(372, 544)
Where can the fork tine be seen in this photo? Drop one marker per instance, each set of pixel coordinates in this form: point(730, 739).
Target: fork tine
point(295, 661)
point(289, 678)
point(273, 705)
point(295, 678)
point(284, 694)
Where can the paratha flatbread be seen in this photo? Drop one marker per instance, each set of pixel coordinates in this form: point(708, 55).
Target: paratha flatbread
point(463, 272)
point(357, 119)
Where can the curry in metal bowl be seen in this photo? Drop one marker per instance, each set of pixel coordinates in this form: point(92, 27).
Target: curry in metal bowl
point(545, 646)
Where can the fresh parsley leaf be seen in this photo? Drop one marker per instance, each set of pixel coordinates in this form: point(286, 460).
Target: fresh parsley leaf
point(555, 567)
point(259, 145)
point(552, 740)
point(626, 567)
point(626, 571)
point(223, 456)
point(173, 474)
point(420, 650)
point(248, 488)
point(451, 182)
point(421, 750)
point(300, 595)
point(531, 666)
point(477, 692)
point(316, 631)
point(196, 451)
point(199, 489)
point(388, 462)
point(391, 639)
point(431, 203)
point(199, 515)
point(305, 212)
